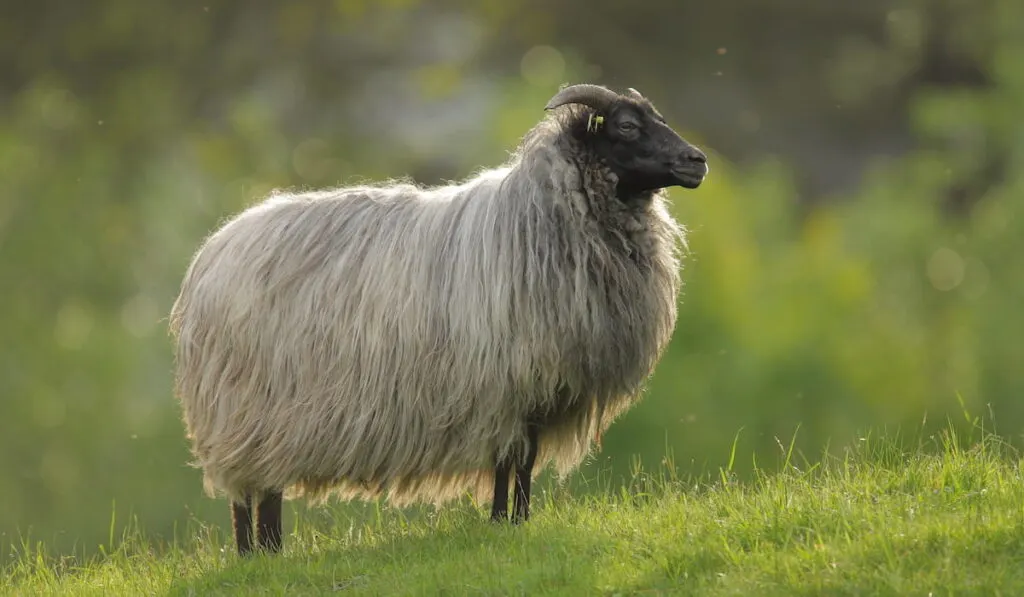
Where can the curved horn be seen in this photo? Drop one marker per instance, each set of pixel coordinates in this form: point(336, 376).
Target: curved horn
point(593, 96)
point(636, 94)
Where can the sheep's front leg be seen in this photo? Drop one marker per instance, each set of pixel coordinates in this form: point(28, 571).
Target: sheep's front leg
point(241, 521)
point(268, 521)
point(524, 475)
point(499, 505)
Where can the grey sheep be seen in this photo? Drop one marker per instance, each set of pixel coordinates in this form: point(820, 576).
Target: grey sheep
point(421, 343)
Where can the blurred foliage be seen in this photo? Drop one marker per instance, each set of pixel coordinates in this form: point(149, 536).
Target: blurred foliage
point(855, 254)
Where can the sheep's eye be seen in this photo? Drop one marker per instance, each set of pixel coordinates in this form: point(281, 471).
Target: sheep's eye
point(627, 126)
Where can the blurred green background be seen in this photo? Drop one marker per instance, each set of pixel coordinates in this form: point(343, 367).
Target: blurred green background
point(857, 253)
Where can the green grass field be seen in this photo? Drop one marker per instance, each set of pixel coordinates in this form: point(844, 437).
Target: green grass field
point(946, 518)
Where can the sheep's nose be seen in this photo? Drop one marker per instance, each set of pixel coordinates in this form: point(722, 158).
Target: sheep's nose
point(692, 154)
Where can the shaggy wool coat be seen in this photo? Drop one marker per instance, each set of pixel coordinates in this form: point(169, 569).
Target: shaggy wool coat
point(393, 340)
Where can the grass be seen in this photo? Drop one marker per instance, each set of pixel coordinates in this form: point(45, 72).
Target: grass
point(945, 518)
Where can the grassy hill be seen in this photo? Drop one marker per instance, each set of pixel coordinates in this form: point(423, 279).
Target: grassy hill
point(946, 518)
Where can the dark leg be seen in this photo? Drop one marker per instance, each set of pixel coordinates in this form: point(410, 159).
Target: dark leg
point(524, 474)
point(268, 521)
point(241, 521)
point(499, 507)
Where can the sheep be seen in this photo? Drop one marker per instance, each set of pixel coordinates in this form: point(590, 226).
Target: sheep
point(421, 343)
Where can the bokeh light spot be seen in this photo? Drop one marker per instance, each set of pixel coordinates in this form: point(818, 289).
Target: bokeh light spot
point(542, 66)
point(946, 269)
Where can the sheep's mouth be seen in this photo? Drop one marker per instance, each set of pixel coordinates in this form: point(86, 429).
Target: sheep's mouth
point(691, 177)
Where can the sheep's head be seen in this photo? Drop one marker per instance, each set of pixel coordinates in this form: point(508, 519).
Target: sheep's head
point(632, 138)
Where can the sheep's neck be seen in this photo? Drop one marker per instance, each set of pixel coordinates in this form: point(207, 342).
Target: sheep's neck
point(631, 195)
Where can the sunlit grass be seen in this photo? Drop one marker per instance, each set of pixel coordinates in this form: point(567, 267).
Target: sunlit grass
point(945, 518)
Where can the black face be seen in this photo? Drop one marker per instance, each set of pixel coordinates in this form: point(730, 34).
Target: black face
point(644, 152)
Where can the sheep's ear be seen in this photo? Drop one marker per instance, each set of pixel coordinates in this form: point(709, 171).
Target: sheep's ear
point(592, 96)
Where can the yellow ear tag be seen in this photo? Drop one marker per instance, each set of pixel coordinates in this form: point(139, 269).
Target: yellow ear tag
point(594, 123)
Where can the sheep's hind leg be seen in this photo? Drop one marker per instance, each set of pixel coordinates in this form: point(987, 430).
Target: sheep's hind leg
point(268, 521)
point(524, 474)
point(499, 506)
point(241, 521)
